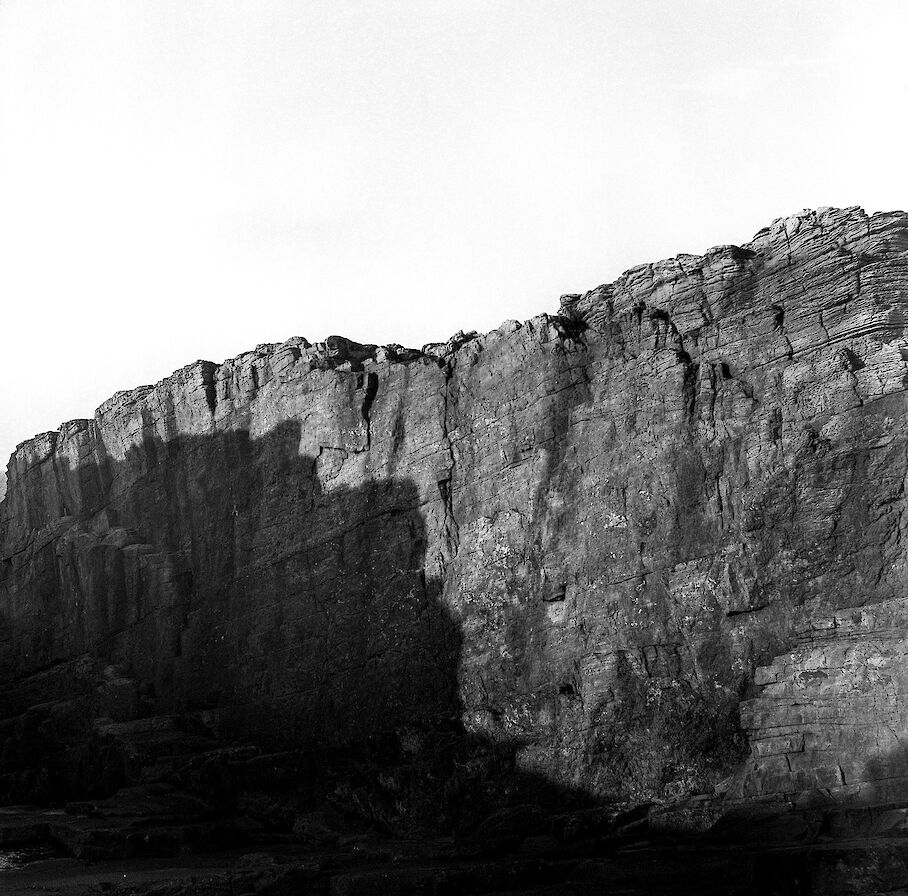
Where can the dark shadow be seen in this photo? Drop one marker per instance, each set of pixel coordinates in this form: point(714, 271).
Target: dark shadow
point(237, 585)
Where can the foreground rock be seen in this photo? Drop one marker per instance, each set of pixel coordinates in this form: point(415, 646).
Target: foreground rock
point(566, 855)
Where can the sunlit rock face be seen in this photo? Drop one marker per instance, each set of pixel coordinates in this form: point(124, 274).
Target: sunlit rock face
point(577, 537)
point(831, 720)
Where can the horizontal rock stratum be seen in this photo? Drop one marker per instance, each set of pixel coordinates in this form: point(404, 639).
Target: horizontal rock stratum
point(575, 539)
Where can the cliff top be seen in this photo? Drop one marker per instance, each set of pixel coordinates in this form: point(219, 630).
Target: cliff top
point(784, 235)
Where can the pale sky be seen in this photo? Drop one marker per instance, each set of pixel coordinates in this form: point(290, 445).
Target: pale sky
point(184, 179)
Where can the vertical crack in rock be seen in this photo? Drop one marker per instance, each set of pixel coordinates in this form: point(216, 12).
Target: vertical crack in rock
point(778, 317)
point(824, 328)
point(209, 370)
point(787, 241)
point(60, 482)
point(446, 484)
point(689, 386)
point(371, 386)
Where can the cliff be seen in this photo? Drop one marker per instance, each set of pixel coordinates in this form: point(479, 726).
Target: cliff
point(572, 541)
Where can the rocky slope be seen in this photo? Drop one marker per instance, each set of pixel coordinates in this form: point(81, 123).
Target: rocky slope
point(570, 542)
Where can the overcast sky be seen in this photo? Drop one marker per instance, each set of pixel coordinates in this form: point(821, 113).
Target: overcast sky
point(184, 179)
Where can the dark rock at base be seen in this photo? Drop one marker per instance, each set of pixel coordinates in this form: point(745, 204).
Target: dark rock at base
point(504, 830)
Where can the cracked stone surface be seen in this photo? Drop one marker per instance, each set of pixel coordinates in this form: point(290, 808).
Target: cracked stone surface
point(831, 720)
point(577, 537)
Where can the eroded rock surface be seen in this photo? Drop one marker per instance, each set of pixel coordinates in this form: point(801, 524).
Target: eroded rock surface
point(571, 540)
point(831, 721)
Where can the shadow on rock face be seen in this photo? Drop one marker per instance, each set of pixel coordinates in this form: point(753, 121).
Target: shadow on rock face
point(235, 586)
point(310, 619)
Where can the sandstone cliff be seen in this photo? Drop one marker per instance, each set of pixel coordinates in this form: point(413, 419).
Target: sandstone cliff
point(575, 538)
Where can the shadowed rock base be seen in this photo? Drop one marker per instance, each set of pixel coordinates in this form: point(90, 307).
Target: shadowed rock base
point(592, 853)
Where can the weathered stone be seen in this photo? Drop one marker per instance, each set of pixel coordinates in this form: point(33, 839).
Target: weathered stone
point(832, 714)
point(573, 538)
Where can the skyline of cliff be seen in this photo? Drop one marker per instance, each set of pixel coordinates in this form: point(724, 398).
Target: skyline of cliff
point(19, 441)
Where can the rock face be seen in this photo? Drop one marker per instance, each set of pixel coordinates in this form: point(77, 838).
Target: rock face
point(833, 714)
point(576, 538)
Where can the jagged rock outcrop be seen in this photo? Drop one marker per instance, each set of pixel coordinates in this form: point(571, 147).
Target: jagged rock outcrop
point(575, 538)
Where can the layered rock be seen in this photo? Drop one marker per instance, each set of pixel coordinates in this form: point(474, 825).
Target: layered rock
point(576, 537)
point(832, 717)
